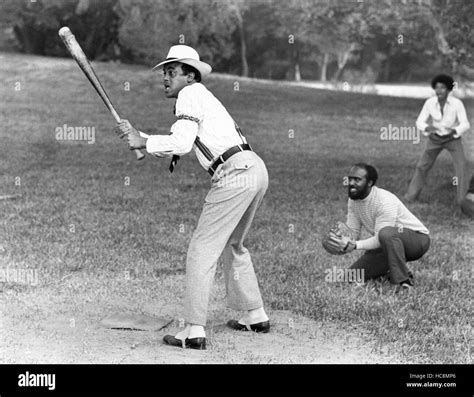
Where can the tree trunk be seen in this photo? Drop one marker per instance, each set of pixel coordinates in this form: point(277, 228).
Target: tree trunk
point(464, 71)
point(324, 67)
point(441, 41)
point(386, 66)
point(342, 58)
point(31, 41)
point(297, 72)
point(82, 7)
point(445, 49)
point(386, 70)
point(243, 45)
point(297, 65)
point(338, 73)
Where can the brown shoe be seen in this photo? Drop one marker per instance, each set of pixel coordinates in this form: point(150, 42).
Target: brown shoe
point(193, 343)
point(263, 327)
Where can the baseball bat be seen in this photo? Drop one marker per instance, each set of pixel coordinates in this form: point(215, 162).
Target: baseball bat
point(76, 52)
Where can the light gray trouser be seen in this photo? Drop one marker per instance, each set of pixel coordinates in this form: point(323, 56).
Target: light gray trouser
point(427, 160)
point(238, 187)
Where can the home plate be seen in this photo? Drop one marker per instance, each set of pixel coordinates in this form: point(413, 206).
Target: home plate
point(135, 322)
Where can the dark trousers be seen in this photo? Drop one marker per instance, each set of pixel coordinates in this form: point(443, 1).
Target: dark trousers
point(432, 150)
point(399, 246)
point(471, 185)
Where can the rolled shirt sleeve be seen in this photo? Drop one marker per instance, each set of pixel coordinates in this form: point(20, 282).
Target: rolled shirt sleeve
point(177, 143)
point(462, 120)
point(370, 243)
point(167, 145)
point(422, 120)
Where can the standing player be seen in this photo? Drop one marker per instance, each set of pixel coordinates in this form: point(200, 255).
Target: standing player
point(448, 123)
point(239, 182)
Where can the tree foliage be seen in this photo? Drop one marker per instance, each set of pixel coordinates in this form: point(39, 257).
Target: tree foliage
point(371, 40)
point(150, 27)
point(36, 24)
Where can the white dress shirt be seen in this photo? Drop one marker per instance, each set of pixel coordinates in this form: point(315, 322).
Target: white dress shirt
point(453, 116)
point(200, 114)
point(378, 210)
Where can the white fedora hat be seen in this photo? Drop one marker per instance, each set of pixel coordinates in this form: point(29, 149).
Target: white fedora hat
point(189, 56)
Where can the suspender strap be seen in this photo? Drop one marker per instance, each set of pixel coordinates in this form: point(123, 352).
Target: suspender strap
point(239, 131)
point(203, 148)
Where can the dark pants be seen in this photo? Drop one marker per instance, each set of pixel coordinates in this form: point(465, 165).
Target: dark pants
point(432, 150)
point(471, 185)
point(399, 246)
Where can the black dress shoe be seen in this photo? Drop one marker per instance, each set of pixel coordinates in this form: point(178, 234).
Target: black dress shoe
point(263, 327)
point(193, 343)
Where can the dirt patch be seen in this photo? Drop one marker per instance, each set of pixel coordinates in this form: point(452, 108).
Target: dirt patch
point(62, 324)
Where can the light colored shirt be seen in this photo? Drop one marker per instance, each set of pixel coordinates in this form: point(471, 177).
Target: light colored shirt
point(200, 114)
point(378, 210)
point(453, 116)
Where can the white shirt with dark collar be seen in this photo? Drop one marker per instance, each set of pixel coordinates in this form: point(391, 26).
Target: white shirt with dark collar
point(200, 114)
point(453, 116)
point(378, 210)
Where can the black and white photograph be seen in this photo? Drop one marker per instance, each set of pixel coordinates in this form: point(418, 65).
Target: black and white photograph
point(223, 182)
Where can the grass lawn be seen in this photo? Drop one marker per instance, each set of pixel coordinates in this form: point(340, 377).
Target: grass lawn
point(91, 209)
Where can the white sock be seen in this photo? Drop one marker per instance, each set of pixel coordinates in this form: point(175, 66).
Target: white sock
point(254, 317)
point(191, 331)
point(182, 335)
point(197, 331)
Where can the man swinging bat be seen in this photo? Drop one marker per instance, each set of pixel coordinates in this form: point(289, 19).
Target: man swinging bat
point(239, 181)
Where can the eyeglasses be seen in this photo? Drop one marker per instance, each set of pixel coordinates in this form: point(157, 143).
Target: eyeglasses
point(170, 73)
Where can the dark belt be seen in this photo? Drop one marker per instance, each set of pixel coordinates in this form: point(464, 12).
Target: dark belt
point(226, 155)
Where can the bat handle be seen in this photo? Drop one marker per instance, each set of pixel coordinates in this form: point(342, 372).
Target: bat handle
point(117, 118)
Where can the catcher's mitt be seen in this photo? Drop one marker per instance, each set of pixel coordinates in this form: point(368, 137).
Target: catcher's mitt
point(340, 229)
